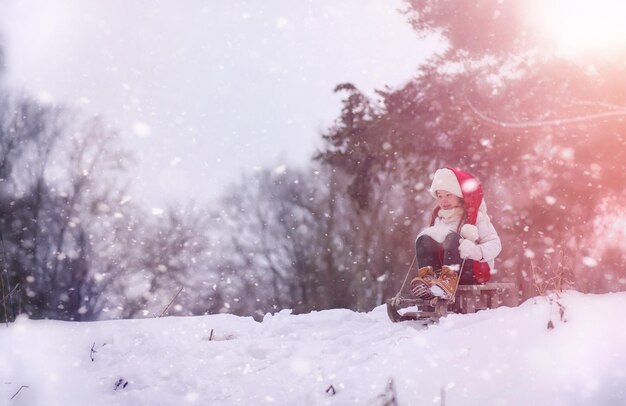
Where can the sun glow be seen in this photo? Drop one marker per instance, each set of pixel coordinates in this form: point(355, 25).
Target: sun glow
point(582, 26)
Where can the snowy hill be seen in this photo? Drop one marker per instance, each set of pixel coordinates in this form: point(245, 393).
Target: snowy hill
point(505, 356)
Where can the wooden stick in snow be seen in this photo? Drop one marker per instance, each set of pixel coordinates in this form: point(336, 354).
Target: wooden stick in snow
point(170, 303)
point(18, 391)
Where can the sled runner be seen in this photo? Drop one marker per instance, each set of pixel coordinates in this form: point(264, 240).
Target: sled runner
point(468, 299)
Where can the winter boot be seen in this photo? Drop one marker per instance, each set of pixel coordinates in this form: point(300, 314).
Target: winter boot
point(420, 285)
point(445, 285)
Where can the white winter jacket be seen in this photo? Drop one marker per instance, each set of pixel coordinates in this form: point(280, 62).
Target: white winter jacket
point(488, 239)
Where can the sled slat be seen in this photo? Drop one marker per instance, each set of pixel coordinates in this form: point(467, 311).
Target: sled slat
point(469, 299)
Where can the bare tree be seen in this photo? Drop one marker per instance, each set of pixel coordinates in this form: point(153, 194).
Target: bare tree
point(58, 166)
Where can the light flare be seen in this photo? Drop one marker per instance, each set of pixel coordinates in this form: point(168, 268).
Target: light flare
point(582, 26)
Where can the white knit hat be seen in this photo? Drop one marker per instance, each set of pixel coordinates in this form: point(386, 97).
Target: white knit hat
point(445, 179)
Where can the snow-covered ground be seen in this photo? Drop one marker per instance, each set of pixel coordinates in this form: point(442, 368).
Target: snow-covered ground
point(504, 356)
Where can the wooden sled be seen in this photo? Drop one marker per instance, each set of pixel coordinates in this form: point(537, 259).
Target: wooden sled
point(468, 299)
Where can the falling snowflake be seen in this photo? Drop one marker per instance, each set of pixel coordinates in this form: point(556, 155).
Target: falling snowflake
point(590, 262)
point(141, 129)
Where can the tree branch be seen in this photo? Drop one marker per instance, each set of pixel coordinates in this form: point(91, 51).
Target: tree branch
point(545, 123)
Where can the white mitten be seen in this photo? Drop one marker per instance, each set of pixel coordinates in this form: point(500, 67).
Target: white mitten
point(469, 232)
point(468, 249)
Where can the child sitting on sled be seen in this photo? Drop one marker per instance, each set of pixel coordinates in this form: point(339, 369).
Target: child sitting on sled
point(461, 243)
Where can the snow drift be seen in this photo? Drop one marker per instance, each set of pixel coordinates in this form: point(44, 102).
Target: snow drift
point(504, 356)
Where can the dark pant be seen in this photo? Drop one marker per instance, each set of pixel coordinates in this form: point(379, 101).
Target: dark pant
point(431, 253)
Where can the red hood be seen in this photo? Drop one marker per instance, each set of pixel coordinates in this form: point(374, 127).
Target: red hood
point(472, 193)
point(473, 197)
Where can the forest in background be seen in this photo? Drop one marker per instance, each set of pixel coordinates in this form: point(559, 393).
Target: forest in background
point(545, 135)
